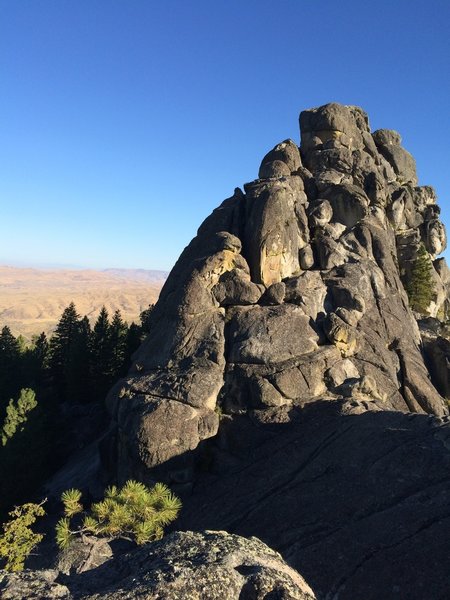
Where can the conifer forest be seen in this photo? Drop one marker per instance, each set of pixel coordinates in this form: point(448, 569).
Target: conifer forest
point(52, 394)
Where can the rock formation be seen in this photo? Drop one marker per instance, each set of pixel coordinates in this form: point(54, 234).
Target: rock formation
point(183, 566)
point(285, 389)
point(290, 293)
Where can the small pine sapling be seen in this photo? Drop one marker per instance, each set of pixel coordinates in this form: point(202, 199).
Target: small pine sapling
point(18, 539)
point(17, 414)
point(134, 512)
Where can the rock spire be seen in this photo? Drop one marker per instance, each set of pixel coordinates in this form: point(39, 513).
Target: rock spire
point(291, 293)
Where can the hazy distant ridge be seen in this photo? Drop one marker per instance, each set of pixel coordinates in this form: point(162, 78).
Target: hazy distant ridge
point(32, 300)
point(138, 274)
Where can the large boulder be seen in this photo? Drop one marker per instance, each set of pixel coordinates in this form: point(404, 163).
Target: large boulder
point(389, 145)
point(213, 565)
point(286, 152)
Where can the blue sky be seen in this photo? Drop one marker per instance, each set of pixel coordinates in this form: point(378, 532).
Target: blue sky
point(125, 122)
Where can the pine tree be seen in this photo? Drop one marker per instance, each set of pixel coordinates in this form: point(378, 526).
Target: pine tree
point(144, 317)
point(78, 368)
point(9, 368)
point(28, 450)
point(40, 349)
point(34, 363)
point(133, 341)
point(60, 349)
point(420, 287)
point(132, 512)
point(17, 414)
point(118, 340)
point(101, 355)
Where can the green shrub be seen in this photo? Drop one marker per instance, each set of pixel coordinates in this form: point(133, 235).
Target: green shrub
point(133, 512)
point(18, 539)
point(17, 414)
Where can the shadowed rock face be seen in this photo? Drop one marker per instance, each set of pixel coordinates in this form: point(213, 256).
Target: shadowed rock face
point(357, 500)
point(289, 293)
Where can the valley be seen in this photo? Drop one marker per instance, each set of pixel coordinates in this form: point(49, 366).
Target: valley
point(32, 300)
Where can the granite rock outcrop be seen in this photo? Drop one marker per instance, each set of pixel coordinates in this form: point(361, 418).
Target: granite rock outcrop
point(297, 278)
point(184, 565)
point(286, 389)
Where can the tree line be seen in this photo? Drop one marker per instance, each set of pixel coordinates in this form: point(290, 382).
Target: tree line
point(52, 394)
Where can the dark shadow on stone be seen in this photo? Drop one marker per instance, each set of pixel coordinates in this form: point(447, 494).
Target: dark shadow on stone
point(349, 501)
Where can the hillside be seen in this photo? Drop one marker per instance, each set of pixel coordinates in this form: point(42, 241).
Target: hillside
point(32, 300)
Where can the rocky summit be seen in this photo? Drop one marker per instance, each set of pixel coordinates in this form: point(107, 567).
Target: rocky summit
point(292, 292)
point(292, 386)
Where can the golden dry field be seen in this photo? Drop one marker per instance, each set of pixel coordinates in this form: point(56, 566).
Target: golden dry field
point(32, 300)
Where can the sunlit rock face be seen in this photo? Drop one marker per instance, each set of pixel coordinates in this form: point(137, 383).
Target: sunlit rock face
point(292, 292)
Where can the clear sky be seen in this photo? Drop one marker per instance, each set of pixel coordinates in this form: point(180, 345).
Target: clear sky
point(123, 123)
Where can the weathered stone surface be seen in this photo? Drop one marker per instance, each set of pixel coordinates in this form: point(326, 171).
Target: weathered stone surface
point(341, 372)
point(287, 152)
point(306, 258)
point(258, 334)
point(272, 233)
point(236, 288)
point(330, 122)
point(83, 555)
point(332, 252)
point(435, 237)
point(275, 169)
point(386, 137)
point(307, 291)
point(349, 203)
point(388, 144)
point(274, 294)
point(354, 496)
point(34, 585)
point(213, 565)
point(436, 347)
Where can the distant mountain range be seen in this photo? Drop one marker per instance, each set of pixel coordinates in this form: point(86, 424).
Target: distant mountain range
point(32, 300)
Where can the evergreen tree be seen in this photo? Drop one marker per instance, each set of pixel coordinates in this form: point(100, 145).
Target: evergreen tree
point(9, 367)
point(23, 451)
point(420, 288)
point(118, 340)
point(133, 512)
point(144, 317)
point(133, 342)
point(29, 450)
point(22, 343)
point(78, 368)
point(61, 345)
point(34, 363)
point(101, 355)
point(40, 349)
point(17, 414)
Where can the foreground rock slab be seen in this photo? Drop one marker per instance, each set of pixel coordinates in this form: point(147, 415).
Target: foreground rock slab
point(357, 500)
point(213, 565)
